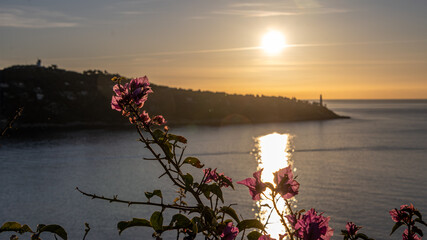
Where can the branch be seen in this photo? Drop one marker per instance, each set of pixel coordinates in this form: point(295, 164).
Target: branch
point(115, 199)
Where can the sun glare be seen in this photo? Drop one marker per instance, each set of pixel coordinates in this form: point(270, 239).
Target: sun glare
point(273, 154)
point(273, 42)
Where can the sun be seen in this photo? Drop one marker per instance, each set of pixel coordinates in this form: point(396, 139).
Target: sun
point(273, 42)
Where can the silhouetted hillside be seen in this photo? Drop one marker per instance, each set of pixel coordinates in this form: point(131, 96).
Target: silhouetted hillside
point(56, 96)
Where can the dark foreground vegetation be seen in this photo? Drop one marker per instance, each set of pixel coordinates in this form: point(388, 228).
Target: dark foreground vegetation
point(56, 97)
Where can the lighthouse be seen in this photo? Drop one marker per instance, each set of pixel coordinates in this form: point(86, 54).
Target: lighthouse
point(321, 100)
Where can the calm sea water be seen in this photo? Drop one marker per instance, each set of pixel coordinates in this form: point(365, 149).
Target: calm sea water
point(353, 170)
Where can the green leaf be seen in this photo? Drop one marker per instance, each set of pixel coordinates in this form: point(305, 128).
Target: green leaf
point(167, 148)
point(420, 221)
point(418, 214)
point(159, 134)
point(254, 235)
point(215, 189)
point(10, 226)
point(188, 179)
point(396, 226)
point(344, 232)
point(362, 236)
point(156, 221)
point(180, 221)
point(196, 224)
point(25, 228)
point(226, 180)
point(194, 162)
point(15, 227)
point(204, 188)
point(177, 138)
point(136, 222)
point(230, 211)
point(209, 216)
point(40, 226)
point(415, 229)
point(250, 223)
point(154, 193)
point(56, 229)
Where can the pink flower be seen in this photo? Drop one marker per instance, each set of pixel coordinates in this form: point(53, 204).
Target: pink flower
point(285, 183)
point(255, 185)
point(145, 118)
point(230, 232)
point(405, 236)
point(313, 227)
point(223, 183)
point(210, 175)
point(266, 237)
point(402, 214)
point(139, 90)
point(291, 219)
point(120, 89)
point(159, 120)
point(134, 92)
point(116, 103)
point(352, 228)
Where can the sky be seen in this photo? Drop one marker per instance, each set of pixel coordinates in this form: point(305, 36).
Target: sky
point(342, 49)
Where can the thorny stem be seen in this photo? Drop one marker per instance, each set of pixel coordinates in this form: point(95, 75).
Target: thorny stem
point(115, 199)
point(86, 230)
point(268, 218)
point(170, 161)
point(191, 190)
point(147, 145)
point(291, 235)
point(289, 206)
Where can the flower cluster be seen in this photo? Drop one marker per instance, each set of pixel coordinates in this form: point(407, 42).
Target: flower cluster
point(311, 226)
point(286, 185)
point(211, 175)
point(403, 217)
point(230, 232)
point(135, 92)
point(352, 228)
point(130, 97)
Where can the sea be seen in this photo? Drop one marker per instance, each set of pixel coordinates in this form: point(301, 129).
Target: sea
point(351, 170)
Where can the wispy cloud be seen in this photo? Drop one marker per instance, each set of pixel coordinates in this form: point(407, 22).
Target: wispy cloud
point(340, 63)
point(273, 13)
point(276, 9)
point(131, 13)
point(151, 55)
point(35, 18)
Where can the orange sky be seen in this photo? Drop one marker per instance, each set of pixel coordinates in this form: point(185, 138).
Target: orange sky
point(341, 49)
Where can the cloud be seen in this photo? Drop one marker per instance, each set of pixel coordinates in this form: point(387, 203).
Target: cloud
point(277, 9)
point(35, 18)
point(271, 13)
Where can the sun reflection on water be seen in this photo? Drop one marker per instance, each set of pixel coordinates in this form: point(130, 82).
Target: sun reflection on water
point(273, 152)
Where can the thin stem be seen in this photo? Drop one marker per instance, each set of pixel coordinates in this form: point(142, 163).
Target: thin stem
point(291, 235)
point(86, 230)
point(147, 145)
point(289, 206)
point(115, 199)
